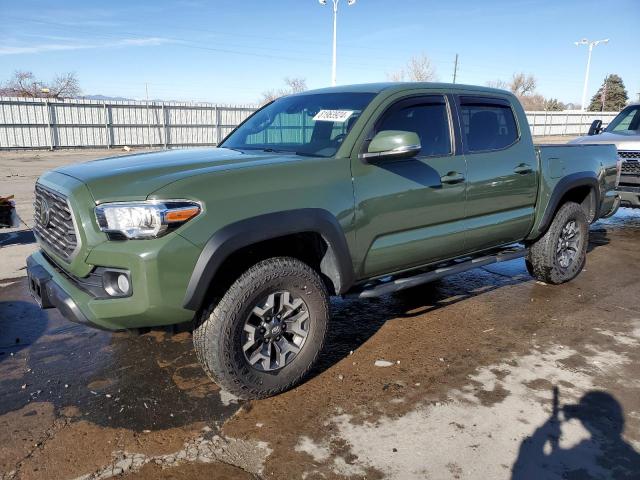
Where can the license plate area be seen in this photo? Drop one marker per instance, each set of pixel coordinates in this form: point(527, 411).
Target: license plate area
point(38, 279)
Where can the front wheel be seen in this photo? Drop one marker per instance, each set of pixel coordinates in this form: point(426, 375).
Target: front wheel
point(266, 332)
point(560, 254)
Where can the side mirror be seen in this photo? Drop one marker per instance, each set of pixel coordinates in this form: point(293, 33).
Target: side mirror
point(392, 144)
point(595, 128)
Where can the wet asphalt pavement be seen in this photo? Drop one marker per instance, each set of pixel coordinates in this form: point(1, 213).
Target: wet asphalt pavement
point(76, 401)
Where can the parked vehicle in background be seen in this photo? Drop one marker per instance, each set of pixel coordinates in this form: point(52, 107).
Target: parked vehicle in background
point(624, 133)
point(359, 190)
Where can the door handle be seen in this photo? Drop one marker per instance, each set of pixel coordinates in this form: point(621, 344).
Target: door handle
point(452, 178)
point(523, 169)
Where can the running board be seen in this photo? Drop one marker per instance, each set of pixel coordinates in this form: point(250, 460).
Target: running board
point(371, 291)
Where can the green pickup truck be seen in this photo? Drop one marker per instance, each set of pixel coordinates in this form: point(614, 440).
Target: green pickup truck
point(360, 190)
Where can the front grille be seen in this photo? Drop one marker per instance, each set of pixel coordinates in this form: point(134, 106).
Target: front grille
point(630, 155)
point(631, 167)
point(53, 223)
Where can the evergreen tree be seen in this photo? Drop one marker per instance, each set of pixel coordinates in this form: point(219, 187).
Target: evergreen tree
point(613, 93)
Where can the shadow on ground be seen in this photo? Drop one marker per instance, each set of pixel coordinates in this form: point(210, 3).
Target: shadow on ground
point(23, 237)
point(605, 454)
point(21, 324)
point(150, 381)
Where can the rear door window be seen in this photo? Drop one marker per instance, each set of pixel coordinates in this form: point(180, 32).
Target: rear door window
point(487, 124)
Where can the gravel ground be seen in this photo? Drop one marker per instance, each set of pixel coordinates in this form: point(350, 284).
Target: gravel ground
point(473, 361)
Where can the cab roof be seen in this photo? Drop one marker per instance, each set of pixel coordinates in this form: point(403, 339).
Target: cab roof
point(391, 87)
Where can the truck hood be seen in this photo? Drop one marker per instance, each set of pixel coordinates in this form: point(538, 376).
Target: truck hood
point(137, 176)
point(621, 141)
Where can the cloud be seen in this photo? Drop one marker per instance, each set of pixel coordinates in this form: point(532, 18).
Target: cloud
point(143, 42)
point(39, 49)
point(55, 47)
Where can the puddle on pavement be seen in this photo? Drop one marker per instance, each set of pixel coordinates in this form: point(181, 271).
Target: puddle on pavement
point(147, 382)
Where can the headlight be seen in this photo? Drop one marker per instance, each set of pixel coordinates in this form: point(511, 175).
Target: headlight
point(149, 219)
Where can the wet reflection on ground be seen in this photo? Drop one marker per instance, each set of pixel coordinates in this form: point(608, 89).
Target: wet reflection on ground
point(143, 382)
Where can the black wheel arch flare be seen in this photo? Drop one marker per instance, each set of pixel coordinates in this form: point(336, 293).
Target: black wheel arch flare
point(336, 263)
point(564, 186)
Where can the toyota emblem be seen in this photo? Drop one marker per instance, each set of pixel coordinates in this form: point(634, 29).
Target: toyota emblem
point(45, 213)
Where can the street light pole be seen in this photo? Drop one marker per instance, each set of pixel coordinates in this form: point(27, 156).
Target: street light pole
point(595, 43)
point(335, 43)
point(335, 36)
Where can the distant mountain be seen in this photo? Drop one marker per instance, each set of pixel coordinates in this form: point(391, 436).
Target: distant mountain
point(105, 98)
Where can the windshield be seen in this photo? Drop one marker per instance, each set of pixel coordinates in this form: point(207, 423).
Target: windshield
point(313, 124)
point(627, 121)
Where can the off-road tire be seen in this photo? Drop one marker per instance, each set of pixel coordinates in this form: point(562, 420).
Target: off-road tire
point(218, 331)
point(542, 259)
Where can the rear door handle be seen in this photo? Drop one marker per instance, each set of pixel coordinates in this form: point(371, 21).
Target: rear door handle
point(452, 177)
point(523, 169)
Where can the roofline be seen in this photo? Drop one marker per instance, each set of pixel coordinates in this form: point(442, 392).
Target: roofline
point(378, 88)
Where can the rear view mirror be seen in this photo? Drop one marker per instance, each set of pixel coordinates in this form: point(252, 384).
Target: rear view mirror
point(392, 144)
point(595, 128)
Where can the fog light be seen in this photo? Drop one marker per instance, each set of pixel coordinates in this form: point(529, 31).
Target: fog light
point(116, 283)
point(123, 283)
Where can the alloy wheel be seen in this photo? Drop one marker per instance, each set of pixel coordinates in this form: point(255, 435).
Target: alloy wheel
point(275, 331)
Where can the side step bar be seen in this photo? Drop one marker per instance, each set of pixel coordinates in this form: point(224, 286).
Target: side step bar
point(371, 291)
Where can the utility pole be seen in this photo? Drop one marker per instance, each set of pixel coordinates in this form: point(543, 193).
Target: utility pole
point(604, 94)
point(455, 69)
point(595, 43)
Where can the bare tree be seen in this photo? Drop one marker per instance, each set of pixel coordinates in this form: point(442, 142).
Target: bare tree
point(293, 85)
point(523, 84)
point(419, 68)
point(533, 101)
point(501, 84)
point(296, 85)
point(65, 86)
point(25, 84)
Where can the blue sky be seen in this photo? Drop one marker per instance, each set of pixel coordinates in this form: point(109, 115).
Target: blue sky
point(232, 50)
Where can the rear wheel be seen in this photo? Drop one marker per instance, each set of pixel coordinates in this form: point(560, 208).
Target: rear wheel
point(266, 332)
point(560, 254)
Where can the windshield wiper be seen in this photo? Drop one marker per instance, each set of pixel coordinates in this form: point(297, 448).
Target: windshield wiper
point(267, 149)
point(303, 154)
point(234, 149)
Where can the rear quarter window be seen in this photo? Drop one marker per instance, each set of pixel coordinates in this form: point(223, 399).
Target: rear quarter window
point(487, 124)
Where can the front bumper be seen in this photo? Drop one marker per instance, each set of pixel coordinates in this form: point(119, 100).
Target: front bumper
point(630, 198)
point(160, 271)
point(612, 208)
point(48, 294)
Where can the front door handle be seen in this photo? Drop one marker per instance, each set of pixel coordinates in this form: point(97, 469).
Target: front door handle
point(452, 178)
point(523, 169)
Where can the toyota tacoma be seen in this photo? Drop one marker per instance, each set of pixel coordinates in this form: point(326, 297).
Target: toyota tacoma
point(360, 190)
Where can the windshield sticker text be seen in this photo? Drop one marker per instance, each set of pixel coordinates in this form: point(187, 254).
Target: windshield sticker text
point(333, 116)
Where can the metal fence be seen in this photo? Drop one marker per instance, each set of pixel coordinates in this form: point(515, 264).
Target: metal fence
point(42, 123)
point(568, 122)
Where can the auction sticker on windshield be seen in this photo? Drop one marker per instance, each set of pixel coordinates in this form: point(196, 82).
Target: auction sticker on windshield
point(333, 115)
